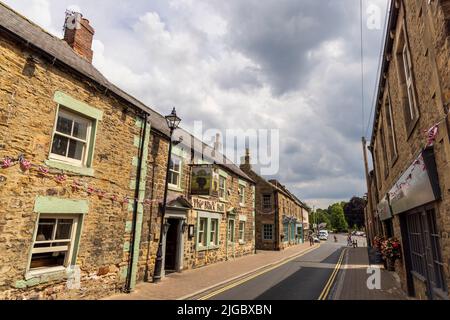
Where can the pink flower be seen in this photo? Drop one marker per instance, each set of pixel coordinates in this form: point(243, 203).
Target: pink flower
point(90, 190)
point(60, 178)
point(126, 200)
point(25, 165)
point(43, 170)
point(113, 198)
point(6, 163)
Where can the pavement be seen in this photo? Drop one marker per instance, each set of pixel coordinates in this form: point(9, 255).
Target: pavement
point(352, 280)
point(192, 283)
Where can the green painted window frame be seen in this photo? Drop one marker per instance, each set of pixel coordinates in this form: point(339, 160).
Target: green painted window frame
point(49, 206)
point(209, 216)
point(95, 115)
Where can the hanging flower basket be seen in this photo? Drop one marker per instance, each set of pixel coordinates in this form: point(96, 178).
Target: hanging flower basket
point(391, 251)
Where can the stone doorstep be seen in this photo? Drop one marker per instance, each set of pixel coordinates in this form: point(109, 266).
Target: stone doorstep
point(222, 284)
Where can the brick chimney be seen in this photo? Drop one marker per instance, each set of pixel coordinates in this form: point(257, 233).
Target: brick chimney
point(79, 34)
point(245, 161)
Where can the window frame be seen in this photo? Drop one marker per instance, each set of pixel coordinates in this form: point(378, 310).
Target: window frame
point(71, 246)
point(242, 231)
point(224, 179)
point(231, 231)
point(241, 195)
point(172, 171)
point(269, 206)
point(390, 130)
point(214, 241)
point(264, 238)
point(406, 81)
point(204, 232)
point(67, 113)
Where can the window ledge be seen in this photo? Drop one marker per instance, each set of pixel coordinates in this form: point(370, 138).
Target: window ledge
point(89, 172)
point(202, 248)
point(242, 205)
point(37, 277)
point(223, 200)
point(175, 188)
point(241, 242)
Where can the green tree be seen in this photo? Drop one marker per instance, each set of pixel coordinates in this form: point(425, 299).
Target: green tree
point(337, 217)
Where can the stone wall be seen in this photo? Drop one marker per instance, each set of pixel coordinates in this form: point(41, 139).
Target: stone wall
point(27, 117)
point(428, 39)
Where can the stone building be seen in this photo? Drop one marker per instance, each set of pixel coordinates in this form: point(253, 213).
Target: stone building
point(82, 175)
point(210, 213)
point(409, 190)
point(281, 218)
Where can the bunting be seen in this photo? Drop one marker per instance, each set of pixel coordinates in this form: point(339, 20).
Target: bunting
point(75, 184)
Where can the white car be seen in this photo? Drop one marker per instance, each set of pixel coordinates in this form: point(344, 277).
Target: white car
point(323, 235)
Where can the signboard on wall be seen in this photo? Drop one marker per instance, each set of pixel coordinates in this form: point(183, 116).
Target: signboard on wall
point(383, 209)
point(208, 205)
point(201, 181)
point(419, 184)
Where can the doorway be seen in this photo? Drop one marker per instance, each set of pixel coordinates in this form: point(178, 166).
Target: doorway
point(172, 243)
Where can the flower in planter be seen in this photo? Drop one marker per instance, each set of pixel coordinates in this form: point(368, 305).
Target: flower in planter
point(60, 178)
point(6, 163)
point(25, 165)
point(43, 170)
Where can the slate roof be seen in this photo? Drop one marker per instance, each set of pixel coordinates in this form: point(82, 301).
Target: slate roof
point(58, 51)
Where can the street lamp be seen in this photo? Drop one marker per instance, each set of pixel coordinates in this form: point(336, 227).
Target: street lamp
point(173, 121)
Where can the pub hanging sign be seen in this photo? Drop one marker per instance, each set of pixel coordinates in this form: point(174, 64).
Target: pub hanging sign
point(204, 181)
point(419, 184)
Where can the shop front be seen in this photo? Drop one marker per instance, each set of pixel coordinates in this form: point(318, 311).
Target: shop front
point(414, 199)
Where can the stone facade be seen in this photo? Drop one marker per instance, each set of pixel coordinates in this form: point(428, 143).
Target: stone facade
point(27, 118)
point(82, 178)
point(399, 137)
point(186, 208)
point(276, 207)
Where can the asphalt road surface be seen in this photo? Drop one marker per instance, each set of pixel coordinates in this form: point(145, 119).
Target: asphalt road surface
point(303, 278)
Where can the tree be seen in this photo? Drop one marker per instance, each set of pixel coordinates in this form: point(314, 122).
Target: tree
point(337, 217)
point(354, 212)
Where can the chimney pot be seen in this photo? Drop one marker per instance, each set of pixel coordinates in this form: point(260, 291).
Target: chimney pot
point(79, 34)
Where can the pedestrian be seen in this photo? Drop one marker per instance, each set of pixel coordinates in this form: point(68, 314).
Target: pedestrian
point(349, 240)
point(311, 240)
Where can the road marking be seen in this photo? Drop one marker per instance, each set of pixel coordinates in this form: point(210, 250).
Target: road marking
point(235, 284)
point(329, 284)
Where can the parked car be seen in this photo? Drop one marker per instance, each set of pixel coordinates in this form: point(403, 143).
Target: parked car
point(323, 235)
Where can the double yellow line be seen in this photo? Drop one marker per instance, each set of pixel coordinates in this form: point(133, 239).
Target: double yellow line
point(235, 284)
point(327, 288)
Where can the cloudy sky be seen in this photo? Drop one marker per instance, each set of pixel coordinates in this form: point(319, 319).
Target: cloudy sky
point(291, 65)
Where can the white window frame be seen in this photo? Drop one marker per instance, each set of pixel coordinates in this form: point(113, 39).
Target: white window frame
point(172, 171)
point(87, 143)
point(214, 232)
point(393, 138)
point(70, 246)
point(264, 232)
point(407, 68)
point(241, 194)
point(242, 231)
point(224, 187)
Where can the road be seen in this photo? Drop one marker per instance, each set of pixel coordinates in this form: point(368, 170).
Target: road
point(303, 278)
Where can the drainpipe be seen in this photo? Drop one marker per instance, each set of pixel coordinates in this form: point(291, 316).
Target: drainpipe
point(277, 221)
point(226, 239)
point(128, 288)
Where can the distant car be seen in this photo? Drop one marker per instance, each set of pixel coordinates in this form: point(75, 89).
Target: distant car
point(317, 240)
point(323, 235)
point(359, 233)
